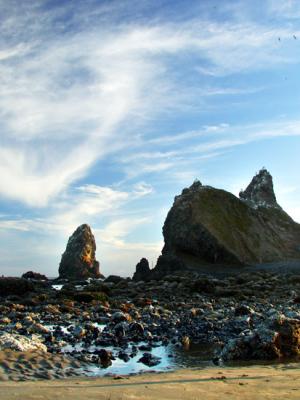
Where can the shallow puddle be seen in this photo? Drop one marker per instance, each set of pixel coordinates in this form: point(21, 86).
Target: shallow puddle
point(57, 287)
point(172, 358)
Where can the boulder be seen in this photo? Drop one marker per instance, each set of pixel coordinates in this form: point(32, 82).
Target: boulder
point(276, 339)
point(258, 345)
point(79, 261)
point(150, 360)
point(119, 316)
point(10, 341)
point(289, 336)
point(212, 227)
point(105, 357)
point(142, 271)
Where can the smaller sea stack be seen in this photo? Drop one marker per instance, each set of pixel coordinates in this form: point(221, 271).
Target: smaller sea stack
point(79, 259)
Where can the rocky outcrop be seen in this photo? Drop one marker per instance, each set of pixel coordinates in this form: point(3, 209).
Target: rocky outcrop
point(142, 271)
point(167, 264)
point(260, 191)
point(35, 276)
point(79, 260)
point(211, 227)
point(280, 338)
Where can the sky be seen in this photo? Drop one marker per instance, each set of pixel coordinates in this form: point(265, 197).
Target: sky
point(108, 109)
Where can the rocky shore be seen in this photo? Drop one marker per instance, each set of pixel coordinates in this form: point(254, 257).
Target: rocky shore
point(246, 317)
point(227, 282)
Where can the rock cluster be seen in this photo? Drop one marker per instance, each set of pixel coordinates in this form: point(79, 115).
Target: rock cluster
point(269, 340)
point(211, 227)
point(243, 316)
point(79, 261)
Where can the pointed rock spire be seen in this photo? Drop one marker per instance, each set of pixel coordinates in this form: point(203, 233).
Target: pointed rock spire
point(260, 191)
point(79, 260)
point(142, 271)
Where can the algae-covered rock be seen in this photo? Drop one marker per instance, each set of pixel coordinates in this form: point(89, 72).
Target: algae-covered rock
point(209, 226)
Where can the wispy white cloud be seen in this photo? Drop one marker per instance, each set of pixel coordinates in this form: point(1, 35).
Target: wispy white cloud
point(206, 143)
point(80, 87)
point(142, 189)
point(66, 100)
point(184, 136)
point(87, 203)
point(23, 224)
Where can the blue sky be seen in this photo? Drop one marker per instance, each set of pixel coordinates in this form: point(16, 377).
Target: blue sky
point(108, 109)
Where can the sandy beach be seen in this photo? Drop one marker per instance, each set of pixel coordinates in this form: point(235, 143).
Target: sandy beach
point(247, 383)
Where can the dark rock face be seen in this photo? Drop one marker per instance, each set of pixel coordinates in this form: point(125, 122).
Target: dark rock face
point(208, 226)
point(78, 261)
point(34, 276)
point(142, 271)
point(260, 191)
point(167, 264)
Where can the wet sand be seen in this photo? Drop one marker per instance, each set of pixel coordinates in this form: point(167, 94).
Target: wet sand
point(247, 383)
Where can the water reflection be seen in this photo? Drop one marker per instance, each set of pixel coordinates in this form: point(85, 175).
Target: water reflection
point(57, 287)
point(198, 355)
point(172, 358)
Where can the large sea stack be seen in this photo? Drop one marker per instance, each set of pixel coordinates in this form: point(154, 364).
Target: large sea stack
point(78, 261)
point(208, 226)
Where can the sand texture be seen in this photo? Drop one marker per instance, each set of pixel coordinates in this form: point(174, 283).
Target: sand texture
point(247, 383)
point(33, 365)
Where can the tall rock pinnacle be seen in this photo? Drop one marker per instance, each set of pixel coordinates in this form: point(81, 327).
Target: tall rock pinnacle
point(79, 261)
point(260, 191)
